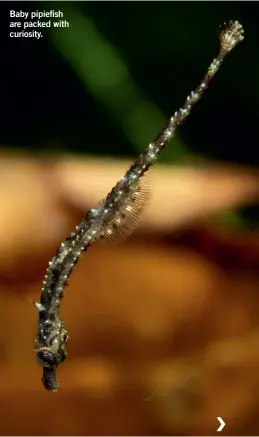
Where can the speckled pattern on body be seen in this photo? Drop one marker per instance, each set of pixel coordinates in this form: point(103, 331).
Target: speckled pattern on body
point(116, 215)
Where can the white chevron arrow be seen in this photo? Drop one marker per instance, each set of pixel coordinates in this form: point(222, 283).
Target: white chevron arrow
point(222, 424)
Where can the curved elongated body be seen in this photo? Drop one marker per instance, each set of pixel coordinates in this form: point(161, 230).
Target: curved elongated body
point(116, 215)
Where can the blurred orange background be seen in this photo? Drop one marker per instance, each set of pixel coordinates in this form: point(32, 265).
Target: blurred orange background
point(163, 328)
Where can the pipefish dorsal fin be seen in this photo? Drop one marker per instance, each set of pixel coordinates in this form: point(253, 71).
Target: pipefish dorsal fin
point(127, 218)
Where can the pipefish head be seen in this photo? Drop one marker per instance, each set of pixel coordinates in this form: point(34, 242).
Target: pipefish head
point(49, 357)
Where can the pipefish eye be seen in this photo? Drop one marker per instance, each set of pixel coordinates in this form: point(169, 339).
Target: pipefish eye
point(47, 357)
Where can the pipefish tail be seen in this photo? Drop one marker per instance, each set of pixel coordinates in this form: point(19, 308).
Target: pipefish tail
point(117, 215)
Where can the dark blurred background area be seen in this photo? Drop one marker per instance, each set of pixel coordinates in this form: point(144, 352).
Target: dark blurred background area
point(164, 327)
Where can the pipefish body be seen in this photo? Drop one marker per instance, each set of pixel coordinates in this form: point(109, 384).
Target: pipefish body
point(116, 215)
